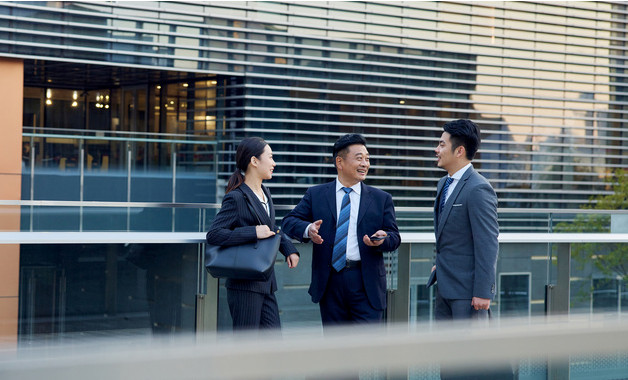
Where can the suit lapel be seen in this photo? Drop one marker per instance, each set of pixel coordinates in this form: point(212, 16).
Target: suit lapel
point(451, 200)
point(271, 207)
point(365, 201)
point(330, 197)
point(439, 189)
point(257, 205)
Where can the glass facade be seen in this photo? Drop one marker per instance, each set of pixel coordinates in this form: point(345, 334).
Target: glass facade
point(131, 104)
point(76, 291)
point(543, 80)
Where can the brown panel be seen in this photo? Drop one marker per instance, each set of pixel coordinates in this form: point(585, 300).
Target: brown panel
point(8, 321)
point(10, 215)
point(11, 103)
point(9, 270)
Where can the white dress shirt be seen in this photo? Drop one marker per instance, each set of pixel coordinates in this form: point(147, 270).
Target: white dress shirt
point(353, 250)
point(456, 178)
point(264, 202)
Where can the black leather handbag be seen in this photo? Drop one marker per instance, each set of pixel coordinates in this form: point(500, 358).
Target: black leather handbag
point(251, 261)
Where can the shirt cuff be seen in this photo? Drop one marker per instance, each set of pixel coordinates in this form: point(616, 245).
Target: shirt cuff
point(306, 234)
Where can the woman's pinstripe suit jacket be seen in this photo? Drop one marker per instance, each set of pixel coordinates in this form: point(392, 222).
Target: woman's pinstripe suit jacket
point(235, 224)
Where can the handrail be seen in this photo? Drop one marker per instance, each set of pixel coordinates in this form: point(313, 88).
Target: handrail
point(532, 237)
point(121, 237)
point(395, 349)
point(125, 138)
point(37, 131)
point(278, 207)
point(108, 204)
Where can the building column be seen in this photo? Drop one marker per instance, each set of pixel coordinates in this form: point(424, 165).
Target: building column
point(11, 105)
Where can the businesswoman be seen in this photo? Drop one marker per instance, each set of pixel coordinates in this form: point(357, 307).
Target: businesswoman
point(252, 303)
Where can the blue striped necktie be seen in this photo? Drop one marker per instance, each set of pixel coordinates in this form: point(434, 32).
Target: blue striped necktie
point(443, 194)
point(339, 256)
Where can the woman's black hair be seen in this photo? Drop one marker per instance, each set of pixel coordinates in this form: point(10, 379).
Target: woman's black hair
point(249, 147)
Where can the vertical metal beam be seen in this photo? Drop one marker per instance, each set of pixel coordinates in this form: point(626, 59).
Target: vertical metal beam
point(558, 298)
point(32, 190)
point(560, 292)
point(111, 279)
point(174, 182)
point(398, 309)
point(206, 298)
point(128, 184)
point(207, 308)
point(81, 181)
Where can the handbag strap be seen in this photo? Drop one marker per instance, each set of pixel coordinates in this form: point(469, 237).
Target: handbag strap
point(248, 203)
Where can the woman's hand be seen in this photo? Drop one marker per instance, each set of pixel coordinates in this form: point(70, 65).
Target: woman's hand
point(263, 231)
point(293, 260)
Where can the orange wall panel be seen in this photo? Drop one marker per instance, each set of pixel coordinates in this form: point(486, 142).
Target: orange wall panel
point(10, 271)
point(11, 105)
point(9, 215)
point(8, 321)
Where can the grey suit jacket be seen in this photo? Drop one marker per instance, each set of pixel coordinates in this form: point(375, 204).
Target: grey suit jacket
point(466, 239)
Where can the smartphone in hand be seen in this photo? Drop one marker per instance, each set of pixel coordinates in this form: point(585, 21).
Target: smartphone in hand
point(377, 238)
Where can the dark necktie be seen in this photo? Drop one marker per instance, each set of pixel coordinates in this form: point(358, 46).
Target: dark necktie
point(443, 194)
point(339, 255)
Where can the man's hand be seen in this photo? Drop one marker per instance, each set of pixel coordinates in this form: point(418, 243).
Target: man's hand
point(480, 303)
point(293, 260)
point(313, 232)
point(367, 240)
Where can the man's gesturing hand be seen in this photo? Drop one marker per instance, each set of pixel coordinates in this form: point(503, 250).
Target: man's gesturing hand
point(313, 232)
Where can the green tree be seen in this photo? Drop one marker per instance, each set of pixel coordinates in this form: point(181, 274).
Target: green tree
point(611, 259)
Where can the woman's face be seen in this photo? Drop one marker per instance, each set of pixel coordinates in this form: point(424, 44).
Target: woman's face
point(264, 165)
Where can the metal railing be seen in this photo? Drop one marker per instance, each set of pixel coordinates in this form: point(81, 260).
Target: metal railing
point(410, 219)
point(553, 341)
point(382, 353)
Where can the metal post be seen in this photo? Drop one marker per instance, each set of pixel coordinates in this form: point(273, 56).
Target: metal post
point(560, 292)
point(558, 297)
point(32, 162)
point(62, 301)
point(207, 304)
point(111, 279)
point(81, 181)
point(399, 299)
point(174, 183)
point(398, 310)
point(128, 186)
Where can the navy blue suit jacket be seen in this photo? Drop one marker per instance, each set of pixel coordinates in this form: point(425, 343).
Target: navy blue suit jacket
point(235, 224)
point(466, 239)
point(377, 212)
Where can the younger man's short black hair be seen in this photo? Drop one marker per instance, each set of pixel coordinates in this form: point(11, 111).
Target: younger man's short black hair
point(466, 133)
point(340, 147)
